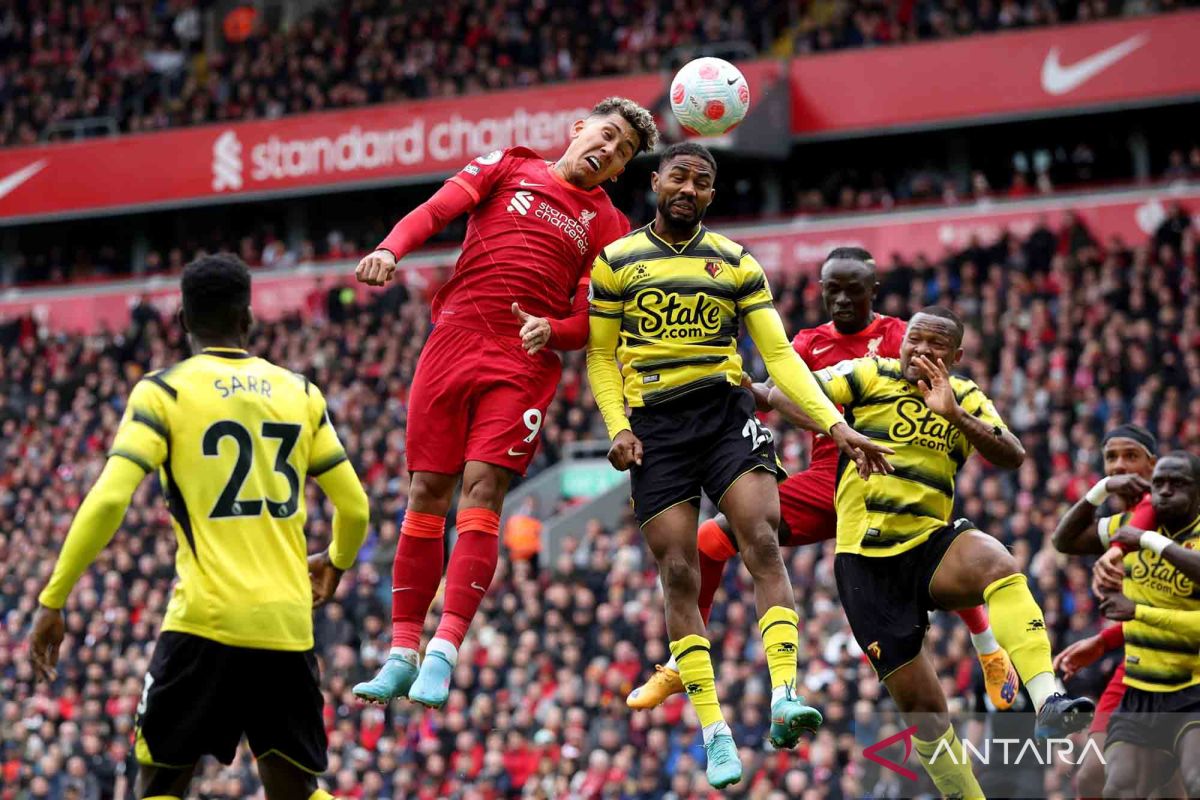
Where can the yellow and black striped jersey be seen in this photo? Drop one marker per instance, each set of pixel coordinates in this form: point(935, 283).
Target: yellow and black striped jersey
point(679, 306)
point(234, 437)
point(889, 514)
point(1159, 658)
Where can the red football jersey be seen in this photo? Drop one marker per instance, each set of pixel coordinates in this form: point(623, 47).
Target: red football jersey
point(823, 346)
point(530, 238)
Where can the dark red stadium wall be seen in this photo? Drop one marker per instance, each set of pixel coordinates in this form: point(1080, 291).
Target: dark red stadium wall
point(802, 244)
point(1003, 76)
point(1063, 69)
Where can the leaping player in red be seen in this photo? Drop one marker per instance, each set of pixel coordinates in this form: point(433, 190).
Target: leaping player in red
point(487, 373)
point(806, 499)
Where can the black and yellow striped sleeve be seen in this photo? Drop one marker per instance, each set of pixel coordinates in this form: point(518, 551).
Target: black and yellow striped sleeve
point(753, 291)
point(848, 382)
point(144, 435)
point(605, 297)
point(327, 451)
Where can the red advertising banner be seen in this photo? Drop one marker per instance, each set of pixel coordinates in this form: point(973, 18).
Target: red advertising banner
point(784, 247)
point(376, 145)
point(1132, 216)
point(1004, 74)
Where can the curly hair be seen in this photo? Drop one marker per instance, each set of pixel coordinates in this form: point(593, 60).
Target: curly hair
point(641, 120)
point(216, 293)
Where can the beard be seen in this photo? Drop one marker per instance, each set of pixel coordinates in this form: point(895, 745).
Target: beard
point(677, 217)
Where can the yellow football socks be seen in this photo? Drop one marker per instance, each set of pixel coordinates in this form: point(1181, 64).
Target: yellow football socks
point(1021, 630)
point(321, 794)
point(781, 639)
point(692, 654)
point(951, 772)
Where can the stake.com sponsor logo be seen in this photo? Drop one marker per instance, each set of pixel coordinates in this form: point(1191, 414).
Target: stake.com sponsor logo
point(1006, 752)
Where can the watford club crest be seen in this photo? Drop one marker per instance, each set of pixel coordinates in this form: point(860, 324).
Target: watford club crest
point(712, 268)
point(875, 650)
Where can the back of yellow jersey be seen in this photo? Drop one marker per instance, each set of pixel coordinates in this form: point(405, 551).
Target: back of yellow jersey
point(234, 437)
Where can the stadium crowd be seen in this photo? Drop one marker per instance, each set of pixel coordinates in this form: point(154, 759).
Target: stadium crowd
point(141, 65)
point(1067, 334)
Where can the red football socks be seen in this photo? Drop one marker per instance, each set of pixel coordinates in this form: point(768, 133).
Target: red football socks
point(715, 550)
point(472, 566)
point(976, 619)
point(416, 574)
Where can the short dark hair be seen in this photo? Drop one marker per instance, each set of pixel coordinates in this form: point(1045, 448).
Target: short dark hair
point(1193, 461)
point(641, 120)
point(851, 254)
point(216, 294)
point(687, 149)
point(945, 313)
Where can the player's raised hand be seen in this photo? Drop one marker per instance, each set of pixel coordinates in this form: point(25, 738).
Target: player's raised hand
point(325, 578)
point(1108, 574)
point(626, 451)
point(1078, 656)
point(1128, 487)
point(44, 641)
point(535, 331)
point(870, 457)
point(936, 389)
point(376, 269)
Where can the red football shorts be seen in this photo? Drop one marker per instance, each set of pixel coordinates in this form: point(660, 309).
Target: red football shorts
point(476, 397)
point(1110, 700)
point(806, 505)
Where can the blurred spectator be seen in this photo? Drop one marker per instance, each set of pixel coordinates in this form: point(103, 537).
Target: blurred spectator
point(1068, 341)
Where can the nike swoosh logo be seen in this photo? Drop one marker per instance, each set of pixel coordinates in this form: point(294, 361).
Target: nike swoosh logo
point(401, 589)
point(512, 452)
point(732, 81)
point(11, 182)
point(475, 585)
point(1058, 80)
point(527, 183)
point(818, 350)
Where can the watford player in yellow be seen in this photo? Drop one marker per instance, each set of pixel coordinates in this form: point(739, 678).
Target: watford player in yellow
point(233, 437)
point(899, 555)
point(666, 302)
point(1157, 726)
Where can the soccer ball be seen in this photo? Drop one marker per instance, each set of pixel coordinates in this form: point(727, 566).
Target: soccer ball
point(709, 96)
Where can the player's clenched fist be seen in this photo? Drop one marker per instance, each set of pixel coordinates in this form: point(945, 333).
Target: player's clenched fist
point(376, 269)
point(626, 451)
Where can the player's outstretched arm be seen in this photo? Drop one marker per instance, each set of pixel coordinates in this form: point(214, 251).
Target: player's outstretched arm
point(603, 375)
point(351, 514)
point(97, 520)
point(790, 411)
point(793, 378)
point(448, 202)
point(1186, 561)
point(1178, 621)
point(1076, 532)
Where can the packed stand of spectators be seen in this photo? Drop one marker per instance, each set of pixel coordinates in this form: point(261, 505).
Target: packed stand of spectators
point(143, 64)
point(1067, 334)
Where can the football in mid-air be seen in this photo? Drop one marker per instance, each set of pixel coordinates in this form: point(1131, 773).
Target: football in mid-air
point(709, 96)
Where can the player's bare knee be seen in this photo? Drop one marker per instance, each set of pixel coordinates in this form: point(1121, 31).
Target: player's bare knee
point(484, 488)
point(430, 493)
point(680, 577)
point(761, 554)
point(1120, 779)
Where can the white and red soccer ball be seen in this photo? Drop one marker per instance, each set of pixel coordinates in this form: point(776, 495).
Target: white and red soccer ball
point(709, 96)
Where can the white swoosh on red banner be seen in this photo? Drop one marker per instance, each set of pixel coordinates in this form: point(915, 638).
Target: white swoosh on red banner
point(11, 182)
point(1057, 79)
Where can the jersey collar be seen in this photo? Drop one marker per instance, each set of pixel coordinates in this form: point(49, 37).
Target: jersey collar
point(680, 249)
point(225, 352)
